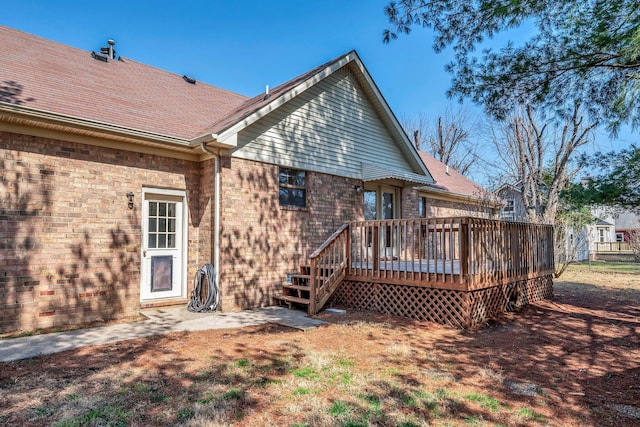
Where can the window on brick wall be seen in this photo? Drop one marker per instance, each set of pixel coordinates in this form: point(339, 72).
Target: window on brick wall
point(422, 207)
point(293, 188)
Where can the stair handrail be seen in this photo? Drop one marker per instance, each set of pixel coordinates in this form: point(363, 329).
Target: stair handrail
point(318, 281)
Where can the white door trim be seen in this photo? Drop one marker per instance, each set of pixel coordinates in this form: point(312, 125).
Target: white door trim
point(180, 195)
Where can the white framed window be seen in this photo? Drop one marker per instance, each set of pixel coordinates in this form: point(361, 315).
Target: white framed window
point(509, 208)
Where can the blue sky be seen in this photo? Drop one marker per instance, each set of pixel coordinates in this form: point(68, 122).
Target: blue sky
point(244, 45)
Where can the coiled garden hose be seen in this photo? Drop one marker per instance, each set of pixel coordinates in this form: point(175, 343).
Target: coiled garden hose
point(206, 294)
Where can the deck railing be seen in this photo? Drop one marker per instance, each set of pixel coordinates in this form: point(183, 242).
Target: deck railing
point(457, 253)
point(620, 247)
point(328, 266)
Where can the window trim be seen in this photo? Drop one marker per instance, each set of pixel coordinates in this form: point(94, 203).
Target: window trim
point(293, 186)
point(509, 203)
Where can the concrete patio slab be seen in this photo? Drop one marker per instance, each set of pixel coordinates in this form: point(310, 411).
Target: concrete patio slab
point(159, 321)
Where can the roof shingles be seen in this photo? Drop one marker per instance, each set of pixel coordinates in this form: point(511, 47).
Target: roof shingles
point(52, 77)
point(448, 179)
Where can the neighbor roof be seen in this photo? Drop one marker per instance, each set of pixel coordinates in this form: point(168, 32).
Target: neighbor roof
point(47, 76)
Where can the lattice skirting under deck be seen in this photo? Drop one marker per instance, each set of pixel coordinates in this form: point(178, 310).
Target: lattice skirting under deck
point(460, 309)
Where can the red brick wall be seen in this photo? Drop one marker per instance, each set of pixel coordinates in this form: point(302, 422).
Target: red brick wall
point(437, 208)
point(69, 245)
point(261, 241)
point(409, 200)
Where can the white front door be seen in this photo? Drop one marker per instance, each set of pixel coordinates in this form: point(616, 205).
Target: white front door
point(163, 249)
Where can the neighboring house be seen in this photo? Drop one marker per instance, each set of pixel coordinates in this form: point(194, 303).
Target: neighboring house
point(609, 237)
point(627, 222)
point(513, 208)
point(572, 244)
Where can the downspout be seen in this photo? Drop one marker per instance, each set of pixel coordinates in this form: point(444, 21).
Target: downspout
point(216, 210)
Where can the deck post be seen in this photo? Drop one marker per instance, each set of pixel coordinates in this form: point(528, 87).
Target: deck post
point(312, 287)
point(376, 248)
point(347, 255)
point(464, 252)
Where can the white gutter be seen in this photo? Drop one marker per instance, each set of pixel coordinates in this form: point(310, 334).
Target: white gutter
point(216, 211)
point(447, 195)
point(77, 122)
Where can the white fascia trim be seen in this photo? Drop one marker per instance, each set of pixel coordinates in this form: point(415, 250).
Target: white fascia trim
point(286, 97)
point(73, 121)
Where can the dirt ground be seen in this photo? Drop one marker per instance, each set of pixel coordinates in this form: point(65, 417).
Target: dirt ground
point(573, 361)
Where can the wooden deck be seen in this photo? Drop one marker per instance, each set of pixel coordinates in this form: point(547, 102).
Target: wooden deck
point(458, 254)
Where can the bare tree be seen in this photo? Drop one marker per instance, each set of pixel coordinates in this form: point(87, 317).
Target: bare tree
point(448, 138)
point(634, 243)
point(571, 237)
point(538, 158)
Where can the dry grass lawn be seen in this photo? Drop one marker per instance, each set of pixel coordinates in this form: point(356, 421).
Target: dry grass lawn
point(573, 361)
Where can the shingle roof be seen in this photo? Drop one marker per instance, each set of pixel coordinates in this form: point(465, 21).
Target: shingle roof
point(450, 180)
point(52, 77)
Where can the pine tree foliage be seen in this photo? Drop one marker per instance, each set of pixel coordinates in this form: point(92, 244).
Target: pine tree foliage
point(584, 50)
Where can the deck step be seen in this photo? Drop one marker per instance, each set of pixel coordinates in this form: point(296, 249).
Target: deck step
point(298, 287)
point(289, 298)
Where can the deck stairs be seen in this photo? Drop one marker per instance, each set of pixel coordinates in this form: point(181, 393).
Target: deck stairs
point(297, 291)
point(314, 284)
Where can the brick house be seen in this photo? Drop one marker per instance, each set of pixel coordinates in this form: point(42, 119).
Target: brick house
point(120, 180)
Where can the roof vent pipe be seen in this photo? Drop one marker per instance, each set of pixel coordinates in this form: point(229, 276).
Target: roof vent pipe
point(106, 53)
point(112, 52)
point(266, 92)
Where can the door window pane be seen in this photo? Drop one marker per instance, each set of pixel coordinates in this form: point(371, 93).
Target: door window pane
point(387, 205)
point(370, 205)
point(162, 225)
